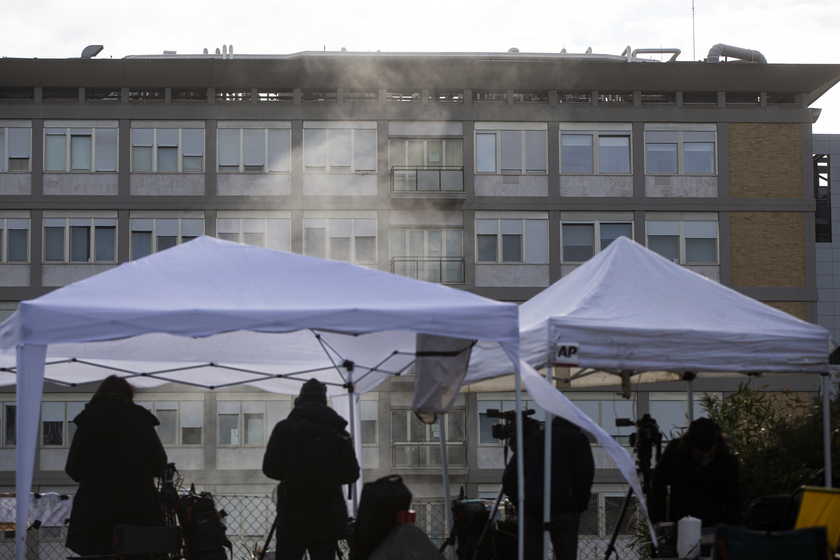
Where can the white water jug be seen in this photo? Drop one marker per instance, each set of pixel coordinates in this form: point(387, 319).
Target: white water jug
point(688, 537)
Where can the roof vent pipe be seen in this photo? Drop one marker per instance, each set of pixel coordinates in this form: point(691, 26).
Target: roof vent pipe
point(91, 50)
point(720, 50)
point(230, 52)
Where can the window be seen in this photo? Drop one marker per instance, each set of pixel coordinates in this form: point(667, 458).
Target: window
point(7, 309)
point(602, 151)
point(603, 512)
point(341, 239)
point(511, 148)
point(584, 235)
point(150, 235)
point(181, 422)
point(670, 410)
point(166, 150)
point(511, 239)
point(505, 403)
point(245, 149)
point(339, 147)
point(433, 255)
point(15, 146)
point(272, 231)
point(80, 240)
point(248, 423)
point(8, 423)
point(690, 239)
point(426, 165)
point(14, 236)
point(604, 411)
point(72, 147)
point(416, 444)
point(57, 427)
point(369, 414)
point(680, 149)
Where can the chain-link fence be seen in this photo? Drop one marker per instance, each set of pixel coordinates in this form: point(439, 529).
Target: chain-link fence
point(249, 520)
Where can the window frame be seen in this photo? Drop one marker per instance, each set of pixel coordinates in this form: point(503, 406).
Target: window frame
point(619, 433)
point(18, 218)
point(358, 222)
point(7, 147)
point(137, 220)
point(596, 131)
point(94, 220)
point(652, 218)
point(4, 429)
point(656, 133)
point(68, 413)
point(509, 221)
point(80, 129)
point(445, 257)
point(267, 128)
point(276, 228)
point(282, 407)
point(157, 144)
point(497, 130)
point(163, 403)
point(596, 220)
point(336, 129)
point(430, 442)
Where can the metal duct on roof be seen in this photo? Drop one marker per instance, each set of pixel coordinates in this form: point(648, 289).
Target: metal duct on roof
point(720, 50)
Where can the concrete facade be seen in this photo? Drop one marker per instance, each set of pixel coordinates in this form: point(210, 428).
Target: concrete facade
point(493, 173)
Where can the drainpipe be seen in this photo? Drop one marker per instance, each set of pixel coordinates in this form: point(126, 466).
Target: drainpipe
point(720, 50)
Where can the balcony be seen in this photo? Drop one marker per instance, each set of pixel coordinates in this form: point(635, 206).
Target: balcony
point(424, 179)
point(440, 270)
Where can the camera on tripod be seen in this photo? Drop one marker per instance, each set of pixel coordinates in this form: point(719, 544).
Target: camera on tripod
point(507, 429)
point(647, 434)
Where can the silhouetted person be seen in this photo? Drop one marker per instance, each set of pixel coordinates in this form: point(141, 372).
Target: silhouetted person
point(312, 455)
point(114, 456)
point(703, 476)
point(572, 472)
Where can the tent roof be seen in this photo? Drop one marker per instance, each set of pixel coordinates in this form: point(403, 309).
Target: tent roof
point(211, 303)
point(630, 309)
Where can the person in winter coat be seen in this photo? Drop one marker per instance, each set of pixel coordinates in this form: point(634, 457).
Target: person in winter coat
point(703, 477)
point(312, 455)
point(114, 456)
point(572, 472)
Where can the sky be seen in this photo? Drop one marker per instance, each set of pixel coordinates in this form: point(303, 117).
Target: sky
point(784, 31)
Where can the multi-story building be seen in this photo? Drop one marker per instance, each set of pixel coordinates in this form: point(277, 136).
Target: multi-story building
point(497, 173)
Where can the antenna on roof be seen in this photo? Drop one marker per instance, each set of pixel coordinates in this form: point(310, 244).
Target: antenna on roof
point(693, 54)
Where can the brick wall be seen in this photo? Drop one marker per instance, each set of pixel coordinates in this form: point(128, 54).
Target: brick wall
point(765, 160)
point(795, 308)
point(768, 249)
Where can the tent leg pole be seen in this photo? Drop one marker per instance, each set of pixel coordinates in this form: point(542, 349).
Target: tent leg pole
point(826, 429)
point(351, 401)
point(690, 394)
point(549, 376)
point(520, 469)
point(447, 496)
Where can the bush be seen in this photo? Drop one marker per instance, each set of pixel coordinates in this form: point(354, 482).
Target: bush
point(778, 438)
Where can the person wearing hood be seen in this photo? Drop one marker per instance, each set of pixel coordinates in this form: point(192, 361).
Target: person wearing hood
point(115, 456)
point(702, 475)
point(312, 456)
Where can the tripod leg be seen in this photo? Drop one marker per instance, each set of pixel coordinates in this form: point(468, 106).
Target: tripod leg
point(268, 540)
point(611, 546)
point(486, 528)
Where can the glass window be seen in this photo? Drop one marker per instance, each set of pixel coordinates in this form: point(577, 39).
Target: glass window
point(684, 241)
point(14, 238)
point(432, 255)
point(10, 424)
point(264, 231)
point(339, 150)
point(15, 147)
point(485, 150)
point(87, 239)
point(614, 154)
point(512, 240)
point(416, 444)
point(167, 150)
point(369, 415)
point(576, 153)
point(662, 158)
point(345, 239)
point(519, 151)
point(578, 242)
point(150, 235)
point(676, 151)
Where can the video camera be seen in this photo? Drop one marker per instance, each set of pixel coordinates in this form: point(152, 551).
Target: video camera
point(507, 430)
point(643, 440)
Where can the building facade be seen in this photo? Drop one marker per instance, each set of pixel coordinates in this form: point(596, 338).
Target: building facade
point(493, 173)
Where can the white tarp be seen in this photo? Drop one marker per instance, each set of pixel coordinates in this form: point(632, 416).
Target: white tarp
point(209, 313)
point(630, 310)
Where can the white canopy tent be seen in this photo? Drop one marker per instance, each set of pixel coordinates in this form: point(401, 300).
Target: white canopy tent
point(633, 314)
point(214, 314)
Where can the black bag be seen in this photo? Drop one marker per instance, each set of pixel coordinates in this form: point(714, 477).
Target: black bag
point(469, 518)
point(201, 523)
point(378, 507)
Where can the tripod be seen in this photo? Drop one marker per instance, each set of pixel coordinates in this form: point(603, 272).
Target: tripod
point(647, 436)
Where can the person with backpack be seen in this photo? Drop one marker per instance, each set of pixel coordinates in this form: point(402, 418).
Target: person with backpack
point(312, 456)
point(115, 456)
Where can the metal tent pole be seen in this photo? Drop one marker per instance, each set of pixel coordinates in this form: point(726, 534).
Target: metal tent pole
point(826, 429)
point(444, 462)
point(520, 470)
point(549, 376)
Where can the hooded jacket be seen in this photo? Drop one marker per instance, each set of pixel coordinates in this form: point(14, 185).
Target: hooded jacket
point(572, 470)
point(320, 515)
point(114, 456)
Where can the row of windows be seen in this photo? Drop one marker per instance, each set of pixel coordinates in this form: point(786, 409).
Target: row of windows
point(434, 254)
point(351, 147)
point(249, 423)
